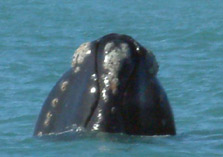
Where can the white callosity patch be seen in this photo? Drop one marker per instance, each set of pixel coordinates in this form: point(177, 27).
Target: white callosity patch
point(54, 102)
point(108, 47)
point(40, 133)
point(112, 61)
point(104, 94)
point(95, 127)
point(76, 69)
point(79, 55)
point(64, 86)
point(48, 118)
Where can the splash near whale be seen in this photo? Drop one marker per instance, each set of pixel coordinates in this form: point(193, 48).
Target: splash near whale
point(111, 87)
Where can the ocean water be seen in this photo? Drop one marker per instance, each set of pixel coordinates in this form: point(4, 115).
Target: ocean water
point(37, 41)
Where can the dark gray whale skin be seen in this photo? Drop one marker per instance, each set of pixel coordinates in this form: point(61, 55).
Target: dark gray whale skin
point(111, 87)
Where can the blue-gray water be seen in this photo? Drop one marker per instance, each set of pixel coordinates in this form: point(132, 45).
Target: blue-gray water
point(38, 38)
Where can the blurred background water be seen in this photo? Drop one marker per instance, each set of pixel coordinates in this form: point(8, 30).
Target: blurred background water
point(37, 41)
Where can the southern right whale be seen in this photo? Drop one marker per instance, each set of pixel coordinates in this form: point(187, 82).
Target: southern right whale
point(111, 87)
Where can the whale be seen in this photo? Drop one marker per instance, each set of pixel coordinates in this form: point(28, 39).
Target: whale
point(111, 87)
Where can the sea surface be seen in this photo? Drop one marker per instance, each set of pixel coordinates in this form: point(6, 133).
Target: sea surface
point(37, 41)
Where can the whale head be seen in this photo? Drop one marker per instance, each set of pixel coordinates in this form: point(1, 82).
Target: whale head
point(111, 87)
